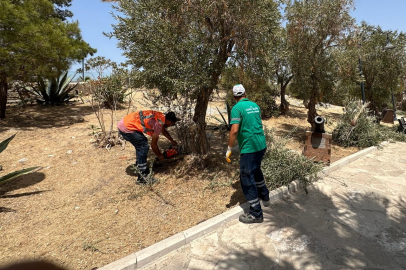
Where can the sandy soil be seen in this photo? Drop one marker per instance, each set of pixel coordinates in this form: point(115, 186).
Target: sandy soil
point(82, 209)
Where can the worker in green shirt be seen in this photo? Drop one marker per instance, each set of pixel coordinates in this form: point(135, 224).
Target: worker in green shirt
point(246, 127)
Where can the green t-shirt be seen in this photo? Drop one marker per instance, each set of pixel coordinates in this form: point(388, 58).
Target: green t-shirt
point(251, 136)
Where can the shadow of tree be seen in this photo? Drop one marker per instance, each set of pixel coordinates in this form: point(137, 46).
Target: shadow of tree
point(43, 116)
point(243, 259)
point(350, 228)
point(296, 133)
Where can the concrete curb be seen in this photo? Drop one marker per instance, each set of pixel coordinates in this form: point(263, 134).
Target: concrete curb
point(157, 250)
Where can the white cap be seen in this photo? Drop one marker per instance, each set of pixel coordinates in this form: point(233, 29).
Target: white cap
point(238, 90)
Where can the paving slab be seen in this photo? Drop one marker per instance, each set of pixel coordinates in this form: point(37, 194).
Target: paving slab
point(353, 218)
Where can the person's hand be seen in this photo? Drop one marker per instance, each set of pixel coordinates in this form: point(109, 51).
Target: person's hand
point(175, 144)
point(228, 154)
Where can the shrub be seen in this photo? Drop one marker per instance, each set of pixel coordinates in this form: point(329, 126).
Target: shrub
point(266, 101)
point(281, 166)
point(403, 105)
point(54, 91)
point(111, 90)
point(366, 131)
point(225, 123)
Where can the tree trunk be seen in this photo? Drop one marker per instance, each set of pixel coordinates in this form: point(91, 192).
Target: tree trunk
point(201, 145)
point(284, 107)
point(3, 95)
point(372, 104)
point(312, 113)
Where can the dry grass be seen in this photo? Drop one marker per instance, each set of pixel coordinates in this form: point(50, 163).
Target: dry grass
point(83, 210)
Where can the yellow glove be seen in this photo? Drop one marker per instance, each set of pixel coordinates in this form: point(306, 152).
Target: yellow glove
point(228, 154)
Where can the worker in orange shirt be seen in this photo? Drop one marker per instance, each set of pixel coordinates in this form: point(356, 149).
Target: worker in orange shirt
point(133, 126)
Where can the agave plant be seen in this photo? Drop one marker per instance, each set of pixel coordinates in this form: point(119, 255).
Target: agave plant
point(8, 177)
point(54, 91)
point(223, 121)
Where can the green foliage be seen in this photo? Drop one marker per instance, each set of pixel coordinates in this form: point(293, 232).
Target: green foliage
point(183, 46)
point(403, 105)
point(10, 176)
point(366, 131)
point(4, 144)
point(54, 91)
point(266, 101)
point(281, 166)
point(36, 41)
point(257, 88)
point(382, 69)
point(111, 90)
point(314, 29)
point(100, 64)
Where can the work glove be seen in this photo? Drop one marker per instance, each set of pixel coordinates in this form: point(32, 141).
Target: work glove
point(228, 154)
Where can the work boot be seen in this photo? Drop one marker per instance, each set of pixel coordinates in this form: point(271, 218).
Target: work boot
point(266, 203)
point(248, 218)
point(144, 179)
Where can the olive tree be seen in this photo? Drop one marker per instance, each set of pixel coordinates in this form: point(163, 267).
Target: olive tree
point(313, 28)
point(182, 47)
point(382, 68)
point(282, 67)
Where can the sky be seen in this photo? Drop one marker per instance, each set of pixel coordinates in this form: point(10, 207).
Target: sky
point(94, 18)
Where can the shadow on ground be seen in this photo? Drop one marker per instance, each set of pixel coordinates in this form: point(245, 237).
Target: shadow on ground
point(22, 181)
point(358, 230)
point(44, 116)
point(247, 259)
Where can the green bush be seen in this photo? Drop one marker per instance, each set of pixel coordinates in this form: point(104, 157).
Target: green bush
point(403, 105)
point(54, 91)
point(266, 101)
point(366, 132)
point(281, 166)
point(258, 89)
point(111, 90)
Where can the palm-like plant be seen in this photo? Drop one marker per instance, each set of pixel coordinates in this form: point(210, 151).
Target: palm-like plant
point(54, 91)
point(8, 177)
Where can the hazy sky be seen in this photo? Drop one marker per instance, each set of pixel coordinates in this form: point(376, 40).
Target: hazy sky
point(94, 18)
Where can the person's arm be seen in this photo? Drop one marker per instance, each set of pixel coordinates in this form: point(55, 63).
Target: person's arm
point(233, 134)
point(154, 146)
point(235, 125)
point(168, 136)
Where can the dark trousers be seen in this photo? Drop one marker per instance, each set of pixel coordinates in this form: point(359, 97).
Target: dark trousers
point(140, 142)
point(252, 181)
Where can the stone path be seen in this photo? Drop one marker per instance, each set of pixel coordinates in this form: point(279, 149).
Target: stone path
point(355, 218)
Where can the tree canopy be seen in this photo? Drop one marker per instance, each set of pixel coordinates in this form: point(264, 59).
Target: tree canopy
point(183, 46)
point(313, 28)
point(34, 40)
point(383, 69)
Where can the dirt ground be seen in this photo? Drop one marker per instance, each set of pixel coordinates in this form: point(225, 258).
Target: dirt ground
point(83, 210)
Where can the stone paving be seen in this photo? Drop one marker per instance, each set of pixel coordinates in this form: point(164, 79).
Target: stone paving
point(354, 218)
